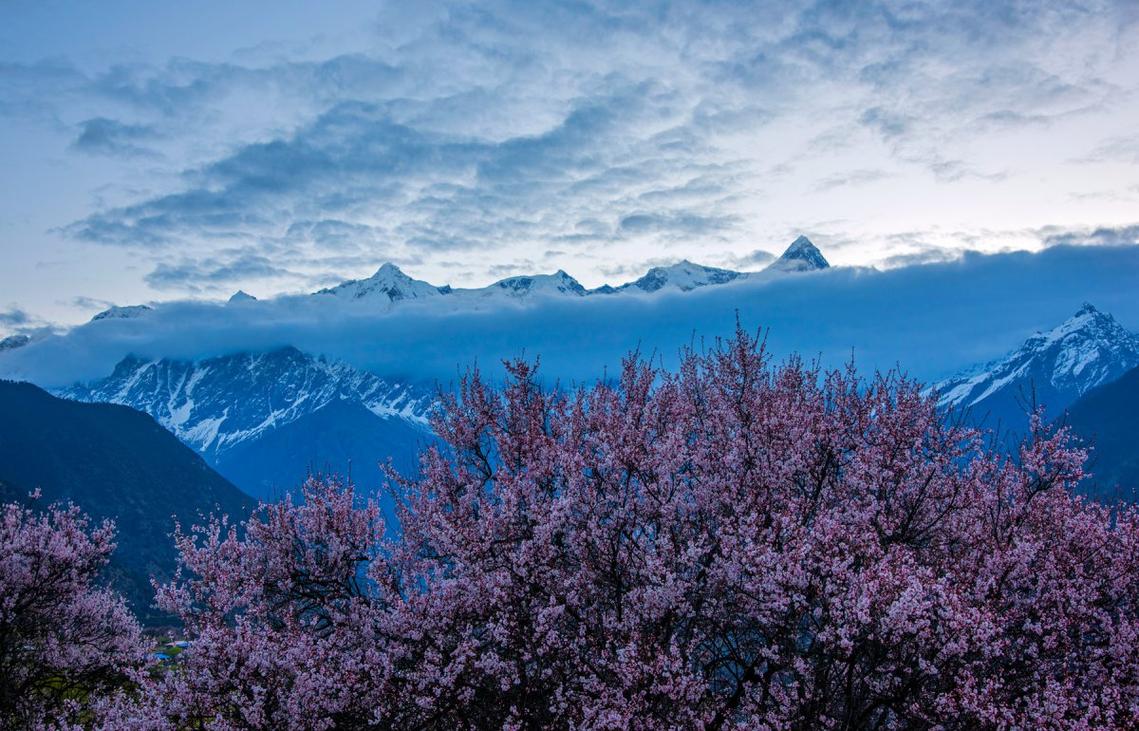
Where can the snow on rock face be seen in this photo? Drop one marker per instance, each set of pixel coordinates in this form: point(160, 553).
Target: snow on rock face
point(683, 276)
point(217, 403)
point(800, 256)
point(388, 284)
point(558, 283)
point(1086, 350)
point(122, 313)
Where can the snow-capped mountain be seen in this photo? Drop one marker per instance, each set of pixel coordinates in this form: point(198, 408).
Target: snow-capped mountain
point(122, 313)
point(388, 284)
point(800, 256)
point(683, 276)
point(1054, 368)
point(558, 283)
point(215, 404)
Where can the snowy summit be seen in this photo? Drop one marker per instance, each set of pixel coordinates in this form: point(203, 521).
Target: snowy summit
point(801, 256)
point(1087, 350)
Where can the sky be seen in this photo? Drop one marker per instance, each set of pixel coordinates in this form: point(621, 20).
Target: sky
point(158, 151)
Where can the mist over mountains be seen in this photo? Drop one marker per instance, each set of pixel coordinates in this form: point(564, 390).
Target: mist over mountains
point(932, 320)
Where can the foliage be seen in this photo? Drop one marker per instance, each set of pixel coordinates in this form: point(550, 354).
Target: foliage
point(737, 544)
point(64, 641)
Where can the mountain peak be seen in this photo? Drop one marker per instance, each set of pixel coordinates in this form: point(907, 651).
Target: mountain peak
point(242, 296)
point(1088, 349)
point(389, 284)
point(557, 283)
point(683, 275)
point(1087, 324)
point(217, 403)
point(800, 256)
point(387, 269)
point(122, 313)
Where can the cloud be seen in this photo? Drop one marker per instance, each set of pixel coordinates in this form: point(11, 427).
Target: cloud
point(853, 177)
point(890, 125)
point(1123, 149)
point(14, 316)
point(91, 303)
point(685, 225)
point(928, 255)
point(423, 193)
point(1100, 236)
point(209, 273)
point(17, 321)
point(930, 319)
point(751, 260)
point(103, 136)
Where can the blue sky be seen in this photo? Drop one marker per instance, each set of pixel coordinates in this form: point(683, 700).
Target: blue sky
point(159, 151)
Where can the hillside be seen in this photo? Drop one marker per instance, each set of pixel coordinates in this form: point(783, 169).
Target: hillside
point(114, 462)
point(1108, 417)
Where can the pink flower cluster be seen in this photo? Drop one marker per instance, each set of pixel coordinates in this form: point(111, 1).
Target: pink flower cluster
point(62, 638)
point(734, 545)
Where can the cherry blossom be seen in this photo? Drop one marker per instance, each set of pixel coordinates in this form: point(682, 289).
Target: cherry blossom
point(736, 544)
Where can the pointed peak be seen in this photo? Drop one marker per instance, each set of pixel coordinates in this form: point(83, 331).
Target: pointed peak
point(388, 284)
point(801, 247)
point(388, 269)
point(1087, 316)
point(242, 296)
point(1089, 324)
point(800, 256)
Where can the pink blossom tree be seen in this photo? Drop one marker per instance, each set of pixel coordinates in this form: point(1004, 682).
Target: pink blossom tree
point(65, 642)
point(736, 544)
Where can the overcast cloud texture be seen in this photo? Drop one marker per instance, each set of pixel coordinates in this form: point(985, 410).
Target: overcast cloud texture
point(161, 151)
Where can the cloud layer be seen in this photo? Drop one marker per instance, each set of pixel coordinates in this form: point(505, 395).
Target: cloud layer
point(930, 320)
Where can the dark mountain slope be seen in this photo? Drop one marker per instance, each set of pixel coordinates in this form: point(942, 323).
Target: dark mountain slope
point(342, 438)
point(1108, 417)
point(114, 462)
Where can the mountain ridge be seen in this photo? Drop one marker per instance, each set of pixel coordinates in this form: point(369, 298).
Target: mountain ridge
point(216, 403)
point(390, 284)
point(1052, 369)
